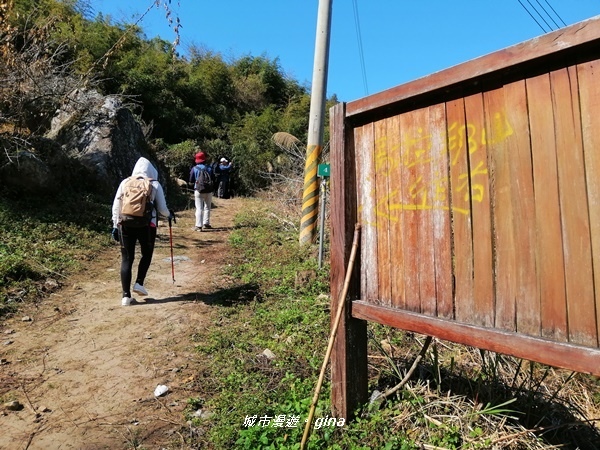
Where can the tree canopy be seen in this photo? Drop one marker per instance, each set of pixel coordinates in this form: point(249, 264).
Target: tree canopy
point(196, 98)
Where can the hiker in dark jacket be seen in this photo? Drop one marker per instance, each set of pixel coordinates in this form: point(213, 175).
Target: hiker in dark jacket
point(224, 178)
point(217, 177)
point(129, 235)
point(202, 196)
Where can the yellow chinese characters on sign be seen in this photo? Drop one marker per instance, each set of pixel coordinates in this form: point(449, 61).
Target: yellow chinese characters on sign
point(413, 158)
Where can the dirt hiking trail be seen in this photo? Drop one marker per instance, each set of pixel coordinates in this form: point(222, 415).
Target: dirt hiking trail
point(85, 369)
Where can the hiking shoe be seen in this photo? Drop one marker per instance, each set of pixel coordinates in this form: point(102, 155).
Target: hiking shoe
point(207, 226)
point(197, 228)
point(139, 289)
point(126, 301)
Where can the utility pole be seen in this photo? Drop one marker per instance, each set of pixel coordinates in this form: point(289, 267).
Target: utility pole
point(310, 197)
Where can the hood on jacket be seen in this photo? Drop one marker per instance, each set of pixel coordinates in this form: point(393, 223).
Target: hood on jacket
point(145, 168)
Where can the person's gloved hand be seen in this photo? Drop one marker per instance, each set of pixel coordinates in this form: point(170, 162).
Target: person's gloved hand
point(172, 216)
point(115, 234)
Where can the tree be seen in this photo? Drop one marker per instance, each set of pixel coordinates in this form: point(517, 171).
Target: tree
point(265, 75)
point(253, 149)
point(37, 75)
point(229, 108)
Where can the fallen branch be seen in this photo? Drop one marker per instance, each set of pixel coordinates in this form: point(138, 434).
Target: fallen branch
point(287, 222)
point(411, 371)
point(35, 413)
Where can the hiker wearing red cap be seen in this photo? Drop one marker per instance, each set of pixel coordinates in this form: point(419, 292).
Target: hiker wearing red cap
point(202, 178)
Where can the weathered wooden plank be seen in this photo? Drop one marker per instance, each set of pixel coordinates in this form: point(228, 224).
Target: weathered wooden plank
point(477, 193)
point(574, 209)
point(364, 151)
point(461, 214)
point(382, 228)
point(410, 215)
point(344, 197)
point(349, 353)
point(394, 211)
point(558, 354)
point(440, 215)
point(583, 32)
point(502, 213)
point(417, 152)
point(360, 182)
point(588, 75)
point(549, 250)
point(527, 300)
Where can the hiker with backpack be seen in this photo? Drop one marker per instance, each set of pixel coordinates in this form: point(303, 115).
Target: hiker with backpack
point(139, 201)
point(216, 176)
point(202, 178)
point(225, 173)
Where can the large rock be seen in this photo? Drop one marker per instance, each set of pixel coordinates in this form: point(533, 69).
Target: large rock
point(94, 141)
point(40, 167)
point(27, 172)
point(102, 134)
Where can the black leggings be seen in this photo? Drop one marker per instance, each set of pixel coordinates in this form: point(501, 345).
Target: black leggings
point(129, 236)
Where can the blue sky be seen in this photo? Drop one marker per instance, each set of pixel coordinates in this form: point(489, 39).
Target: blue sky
point(400, 40)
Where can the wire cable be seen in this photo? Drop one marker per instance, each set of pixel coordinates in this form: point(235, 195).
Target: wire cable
point(560, 18)
point(548, 14)
point(360, 46)
point(531, 15)
point(540, 15)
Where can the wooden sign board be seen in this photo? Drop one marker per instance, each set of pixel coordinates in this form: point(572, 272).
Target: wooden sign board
point(478, 194)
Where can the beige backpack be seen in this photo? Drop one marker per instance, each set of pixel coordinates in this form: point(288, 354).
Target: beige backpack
point(136, 202)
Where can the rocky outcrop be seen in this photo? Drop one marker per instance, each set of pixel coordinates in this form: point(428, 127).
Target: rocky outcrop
point(27, 172)
point(37, 165)
point(93, 140)
point(102, 134)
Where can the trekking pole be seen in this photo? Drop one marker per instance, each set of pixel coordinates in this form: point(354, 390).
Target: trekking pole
point(334, 327)
point(172, 216)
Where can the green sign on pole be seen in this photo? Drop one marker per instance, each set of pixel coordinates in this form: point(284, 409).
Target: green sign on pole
point(323, 170)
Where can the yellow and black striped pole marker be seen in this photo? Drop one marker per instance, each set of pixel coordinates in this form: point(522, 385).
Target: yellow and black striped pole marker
point(310, 196)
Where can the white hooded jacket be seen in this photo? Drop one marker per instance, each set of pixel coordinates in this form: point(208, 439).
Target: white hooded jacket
point(144, 168)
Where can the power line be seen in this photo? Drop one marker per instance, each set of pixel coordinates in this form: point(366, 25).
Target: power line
point(560, 18)
point(531, 15)
point(538, 13)
point(549, 16)
point(534, 12)
point(360, 46)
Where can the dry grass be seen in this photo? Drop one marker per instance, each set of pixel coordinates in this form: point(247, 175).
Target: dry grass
point(463, 398)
